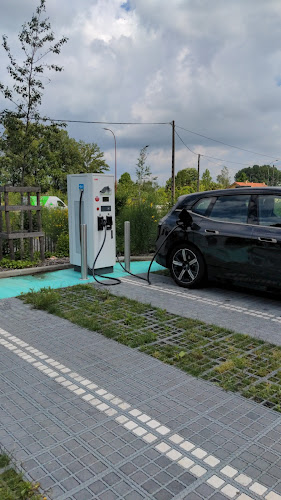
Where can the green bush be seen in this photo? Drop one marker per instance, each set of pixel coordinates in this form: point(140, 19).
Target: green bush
point(17, 264)
point(143, 217)
point(54, 222)
point(62, 246)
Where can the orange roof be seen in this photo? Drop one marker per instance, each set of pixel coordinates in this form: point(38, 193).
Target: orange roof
point(249, 184)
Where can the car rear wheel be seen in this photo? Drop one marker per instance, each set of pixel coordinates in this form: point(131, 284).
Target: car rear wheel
point(187, 266)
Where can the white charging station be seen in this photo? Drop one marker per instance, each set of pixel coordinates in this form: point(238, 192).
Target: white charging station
point(91, 201)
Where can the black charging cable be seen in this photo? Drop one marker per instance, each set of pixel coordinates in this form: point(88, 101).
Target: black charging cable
point(156, 253)
point(129, 272)
point(116, 281)
point(152, 260)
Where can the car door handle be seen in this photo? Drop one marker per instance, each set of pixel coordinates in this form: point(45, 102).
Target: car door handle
point(268, 240)
point(211, 231)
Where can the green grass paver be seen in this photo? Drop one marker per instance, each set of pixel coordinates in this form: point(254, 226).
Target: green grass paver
point(233, 361)
point(12, 484)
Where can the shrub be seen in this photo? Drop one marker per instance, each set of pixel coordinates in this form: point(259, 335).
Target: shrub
point(54, 222)
point(47, 299)
point(62, 247)
point(143, 217)
point(17, 264)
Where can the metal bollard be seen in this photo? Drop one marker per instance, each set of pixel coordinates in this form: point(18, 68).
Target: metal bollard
point(84, 263)
point(127, 246)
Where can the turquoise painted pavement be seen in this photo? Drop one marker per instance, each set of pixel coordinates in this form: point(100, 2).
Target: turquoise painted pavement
point(12, 287)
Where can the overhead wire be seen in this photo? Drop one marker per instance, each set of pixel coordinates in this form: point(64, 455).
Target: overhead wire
point(207, 156)
point(224, 143)
point(105, 123)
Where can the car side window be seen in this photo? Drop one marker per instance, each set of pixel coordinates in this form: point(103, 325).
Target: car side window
point(202, 206)
point(269, 210)
point(231, 208)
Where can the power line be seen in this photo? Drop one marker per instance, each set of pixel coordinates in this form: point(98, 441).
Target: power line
point(105, 123)
point(224, 143)
point(206, 156)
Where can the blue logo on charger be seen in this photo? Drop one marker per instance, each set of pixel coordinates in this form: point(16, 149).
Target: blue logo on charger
point(81, 186)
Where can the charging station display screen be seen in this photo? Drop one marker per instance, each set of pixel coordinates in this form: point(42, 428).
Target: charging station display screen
point(105, 208)
point(105, 198)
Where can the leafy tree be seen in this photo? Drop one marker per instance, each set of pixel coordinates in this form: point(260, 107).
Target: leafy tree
point(143, 171)
point(126, 189)
point(224, 178)
point(92, 158)
point(51, 156)
point(207, 180)
point(268, 174)
point(125, 181)
point(207, 183)
point(184, 178)
point(37, 41)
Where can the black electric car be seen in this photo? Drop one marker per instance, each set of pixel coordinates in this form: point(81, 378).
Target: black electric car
point(229, 234)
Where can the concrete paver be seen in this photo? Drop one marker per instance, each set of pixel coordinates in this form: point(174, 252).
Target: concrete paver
point(90, 418)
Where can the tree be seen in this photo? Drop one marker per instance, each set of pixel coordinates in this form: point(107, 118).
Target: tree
point(207, 180)
point(186, 177)
point(37, 41)
point(52, 155)
point(126, 189)
point(143, 171)
point(224, 178)
point(125, 180)
point(92, 158)
point(268, 174)
point(207, 183)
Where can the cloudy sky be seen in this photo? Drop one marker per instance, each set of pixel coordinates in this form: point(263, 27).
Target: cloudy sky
point(213, 66)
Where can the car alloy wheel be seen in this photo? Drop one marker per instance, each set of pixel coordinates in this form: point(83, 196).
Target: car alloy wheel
point(187, 266)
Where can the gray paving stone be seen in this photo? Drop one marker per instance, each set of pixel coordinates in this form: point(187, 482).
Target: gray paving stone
point(82, 453)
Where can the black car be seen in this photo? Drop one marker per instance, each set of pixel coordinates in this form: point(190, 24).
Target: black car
point(228, 234)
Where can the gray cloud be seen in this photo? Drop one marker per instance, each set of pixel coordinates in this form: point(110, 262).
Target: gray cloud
point(213, 67)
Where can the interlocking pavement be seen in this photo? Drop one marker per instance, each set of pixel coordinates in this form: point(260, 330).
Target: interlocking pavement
point(92, 419)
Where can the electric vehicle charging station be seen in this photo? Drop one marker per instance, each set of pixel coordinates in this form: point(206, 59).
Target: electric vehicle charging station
point(91, 201)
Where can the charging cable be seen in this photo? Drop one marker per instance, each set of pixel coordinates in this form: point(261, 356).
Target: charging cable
point(117, 281)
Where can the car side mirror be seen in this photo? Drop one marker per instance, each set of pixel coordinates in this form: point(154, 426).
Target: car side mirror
point(185, 219)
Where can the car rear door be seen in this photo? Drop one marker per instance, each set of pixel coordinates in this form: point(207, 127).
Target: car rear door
point(266, 246)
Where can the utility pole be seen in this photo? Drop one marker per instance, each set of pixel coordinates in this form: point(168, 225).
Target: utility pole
point(198, 179)
point(173, 162)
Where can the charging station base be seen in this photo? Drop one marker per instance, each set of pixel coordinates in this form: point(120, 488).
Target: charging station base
point(101, 271)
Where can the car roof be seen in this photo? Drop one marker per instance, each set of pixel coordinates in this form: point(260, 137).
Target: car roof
point(232, 191)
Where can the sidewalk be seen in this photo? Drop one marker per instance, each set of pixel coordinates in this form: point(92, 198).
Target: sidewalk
point(90, 418)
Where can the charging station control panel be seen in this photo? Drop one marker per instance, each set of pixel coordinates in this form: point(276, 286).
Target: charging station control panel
point(91, 201)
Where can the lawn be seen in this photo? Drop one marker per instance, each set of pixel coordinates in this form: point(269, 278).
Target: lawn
point(233, 361)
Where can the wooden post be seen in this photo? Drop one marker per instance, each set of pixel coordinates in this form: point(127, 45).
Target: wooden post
point(8, 224)
point(30, 225)
point(39, 222)
point(173, 162)
point(198, 179)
